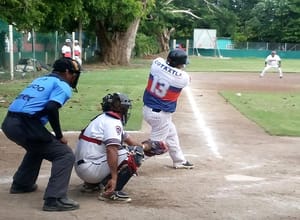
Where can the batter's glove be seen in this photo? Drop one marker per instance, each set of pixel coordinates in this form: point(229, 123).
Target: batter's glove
point(154, 148)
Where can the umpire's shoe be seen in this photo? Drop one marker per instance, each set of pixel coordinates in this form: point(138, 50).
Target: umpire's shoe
point(60, 204)
point(17, 189)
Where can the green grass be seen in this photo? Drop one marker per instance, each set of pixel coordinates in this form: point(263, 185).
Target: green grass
point(277, 114)
point(209, 64)
point(93, 85)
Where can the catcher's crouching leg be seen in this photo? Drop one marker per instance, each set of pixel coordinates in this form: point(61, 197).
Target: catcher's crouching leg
point(152, 148)
point(125, 171)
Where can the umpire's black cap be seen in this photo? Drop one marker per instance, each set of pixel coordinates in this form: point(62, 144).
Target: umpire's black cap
point(63, 64)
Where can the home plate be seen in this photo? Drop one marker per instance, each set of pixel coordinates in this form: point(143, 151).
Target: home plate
point(241, 178)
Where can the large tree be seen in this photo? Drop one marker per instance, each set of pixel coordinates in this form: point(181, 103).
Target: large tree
point(116, 24)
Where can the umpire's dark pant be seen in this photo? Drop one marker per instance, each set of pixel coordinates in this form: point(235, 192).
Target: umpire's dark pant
point(15, 127)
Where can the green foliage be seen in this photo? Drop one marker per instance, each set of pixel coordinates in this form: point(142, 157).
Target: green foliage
point(114, 15)
point(145, 45)
point(26, 14)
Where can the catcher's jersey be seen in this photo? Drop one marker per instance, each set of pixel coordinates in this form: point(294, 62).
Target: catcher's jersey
point(273, 60)
point(164, 86)
point(106, 128)
point(37, 94)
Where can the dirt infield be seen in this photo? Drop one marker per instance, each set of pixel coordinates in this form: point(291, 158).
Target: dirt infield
point(241, 172)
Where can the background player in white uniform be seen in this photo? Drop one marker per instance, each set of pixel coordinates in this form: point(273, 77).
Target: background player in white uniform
point(77, 52)
point(66, 49)
point(166, 80)
point(272, 61)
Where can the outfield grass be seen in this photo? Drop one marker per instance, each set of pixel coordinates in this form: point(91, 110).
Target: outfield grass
point(93, 85)
point(277, 114)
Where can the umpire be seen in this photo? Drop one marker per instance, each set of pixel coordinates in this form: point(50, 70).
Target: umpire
point(24, 124)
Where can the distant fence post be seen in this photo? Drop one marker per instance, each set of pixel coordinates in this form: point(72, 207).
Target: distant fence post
point(11, 51)
point(187, 46)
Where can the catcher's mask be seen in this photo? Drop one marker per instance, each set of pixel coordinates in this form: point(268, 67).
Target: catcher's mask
point(117, 102)
point(177, 57)
point(63, 64)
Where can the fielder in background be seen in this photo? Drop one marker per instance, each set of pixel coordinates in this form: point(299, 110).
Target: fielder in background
point(24, 124)
point(77, 52)
point(165, 82)
point(66, 50)
point(272, 61)
point(103, 162)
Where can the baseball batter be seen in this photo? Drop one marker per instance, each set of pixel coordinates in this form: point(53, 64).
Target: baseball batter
point(272, 61)
point(165, 82)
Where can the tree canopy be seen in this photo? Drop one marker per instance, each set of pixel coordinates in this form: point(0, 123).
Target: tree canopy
point(116, 23)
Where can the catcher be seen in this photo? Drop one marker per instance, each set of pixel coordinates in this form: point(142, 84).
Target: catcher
point(103, 162)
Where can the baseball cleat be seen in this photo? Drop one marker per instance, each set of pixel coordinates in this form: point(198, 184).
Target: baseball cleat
point(186, 165)
point(91, 187)
point(117, 196)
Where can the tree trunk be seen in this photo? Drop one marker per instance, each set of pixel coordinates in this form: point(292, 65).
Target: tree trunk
point(164, 39)
point(116, 48)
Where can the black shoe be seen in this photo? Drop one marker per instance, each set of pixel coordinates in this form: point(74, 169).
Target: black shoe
point(60, 204)
point(91, 187)
point(16, 189)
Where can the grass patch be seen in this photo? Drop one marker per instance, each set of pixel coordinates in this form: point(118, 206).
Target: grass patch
point(85, 104)
point(209, 64)
point(277, 114)
point(93, 85)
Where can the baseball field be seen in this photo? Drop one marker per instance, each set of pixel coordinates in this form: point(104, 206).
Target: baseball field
point(242, 171)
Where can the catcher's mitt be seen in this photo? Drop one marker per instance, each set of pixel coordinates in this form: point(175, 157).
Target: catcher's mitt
point(154, 148)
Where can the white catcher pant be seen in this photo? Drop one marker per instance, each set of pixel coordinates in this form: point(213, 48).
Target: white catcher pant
point(269, 67)
point(94, 171)
point(163, 129)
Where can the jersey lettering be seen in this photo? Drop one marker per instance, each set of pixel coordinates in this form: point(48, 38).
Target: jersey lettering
point(167, 68)
point(37, 87)
point(24, 97)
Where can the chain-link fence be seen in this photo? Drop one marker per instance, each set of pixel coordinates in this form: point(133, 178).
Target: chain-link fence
point(39, 48)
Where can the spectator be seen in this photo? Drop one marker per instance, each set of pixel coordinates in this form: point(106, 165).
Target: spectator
point(66, 50)
point(77, 52)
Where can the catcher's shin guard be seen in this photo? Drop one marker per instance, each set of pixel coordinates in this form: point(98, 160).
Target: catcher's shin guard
point(124, 176)
point(125, 171)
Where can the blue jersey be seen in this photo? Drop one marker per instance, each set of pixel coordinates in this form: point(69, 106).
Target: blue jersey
point(34, 98)
point(164, 86)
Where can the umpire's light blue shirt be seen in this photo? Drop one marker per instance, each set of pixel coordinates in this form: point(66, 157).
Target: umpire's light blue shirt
point(37, 94)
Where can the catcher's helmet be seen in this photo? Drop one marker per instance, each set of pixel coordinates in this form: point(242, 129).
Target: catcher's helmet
point(177, 57)
point(119, 103)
